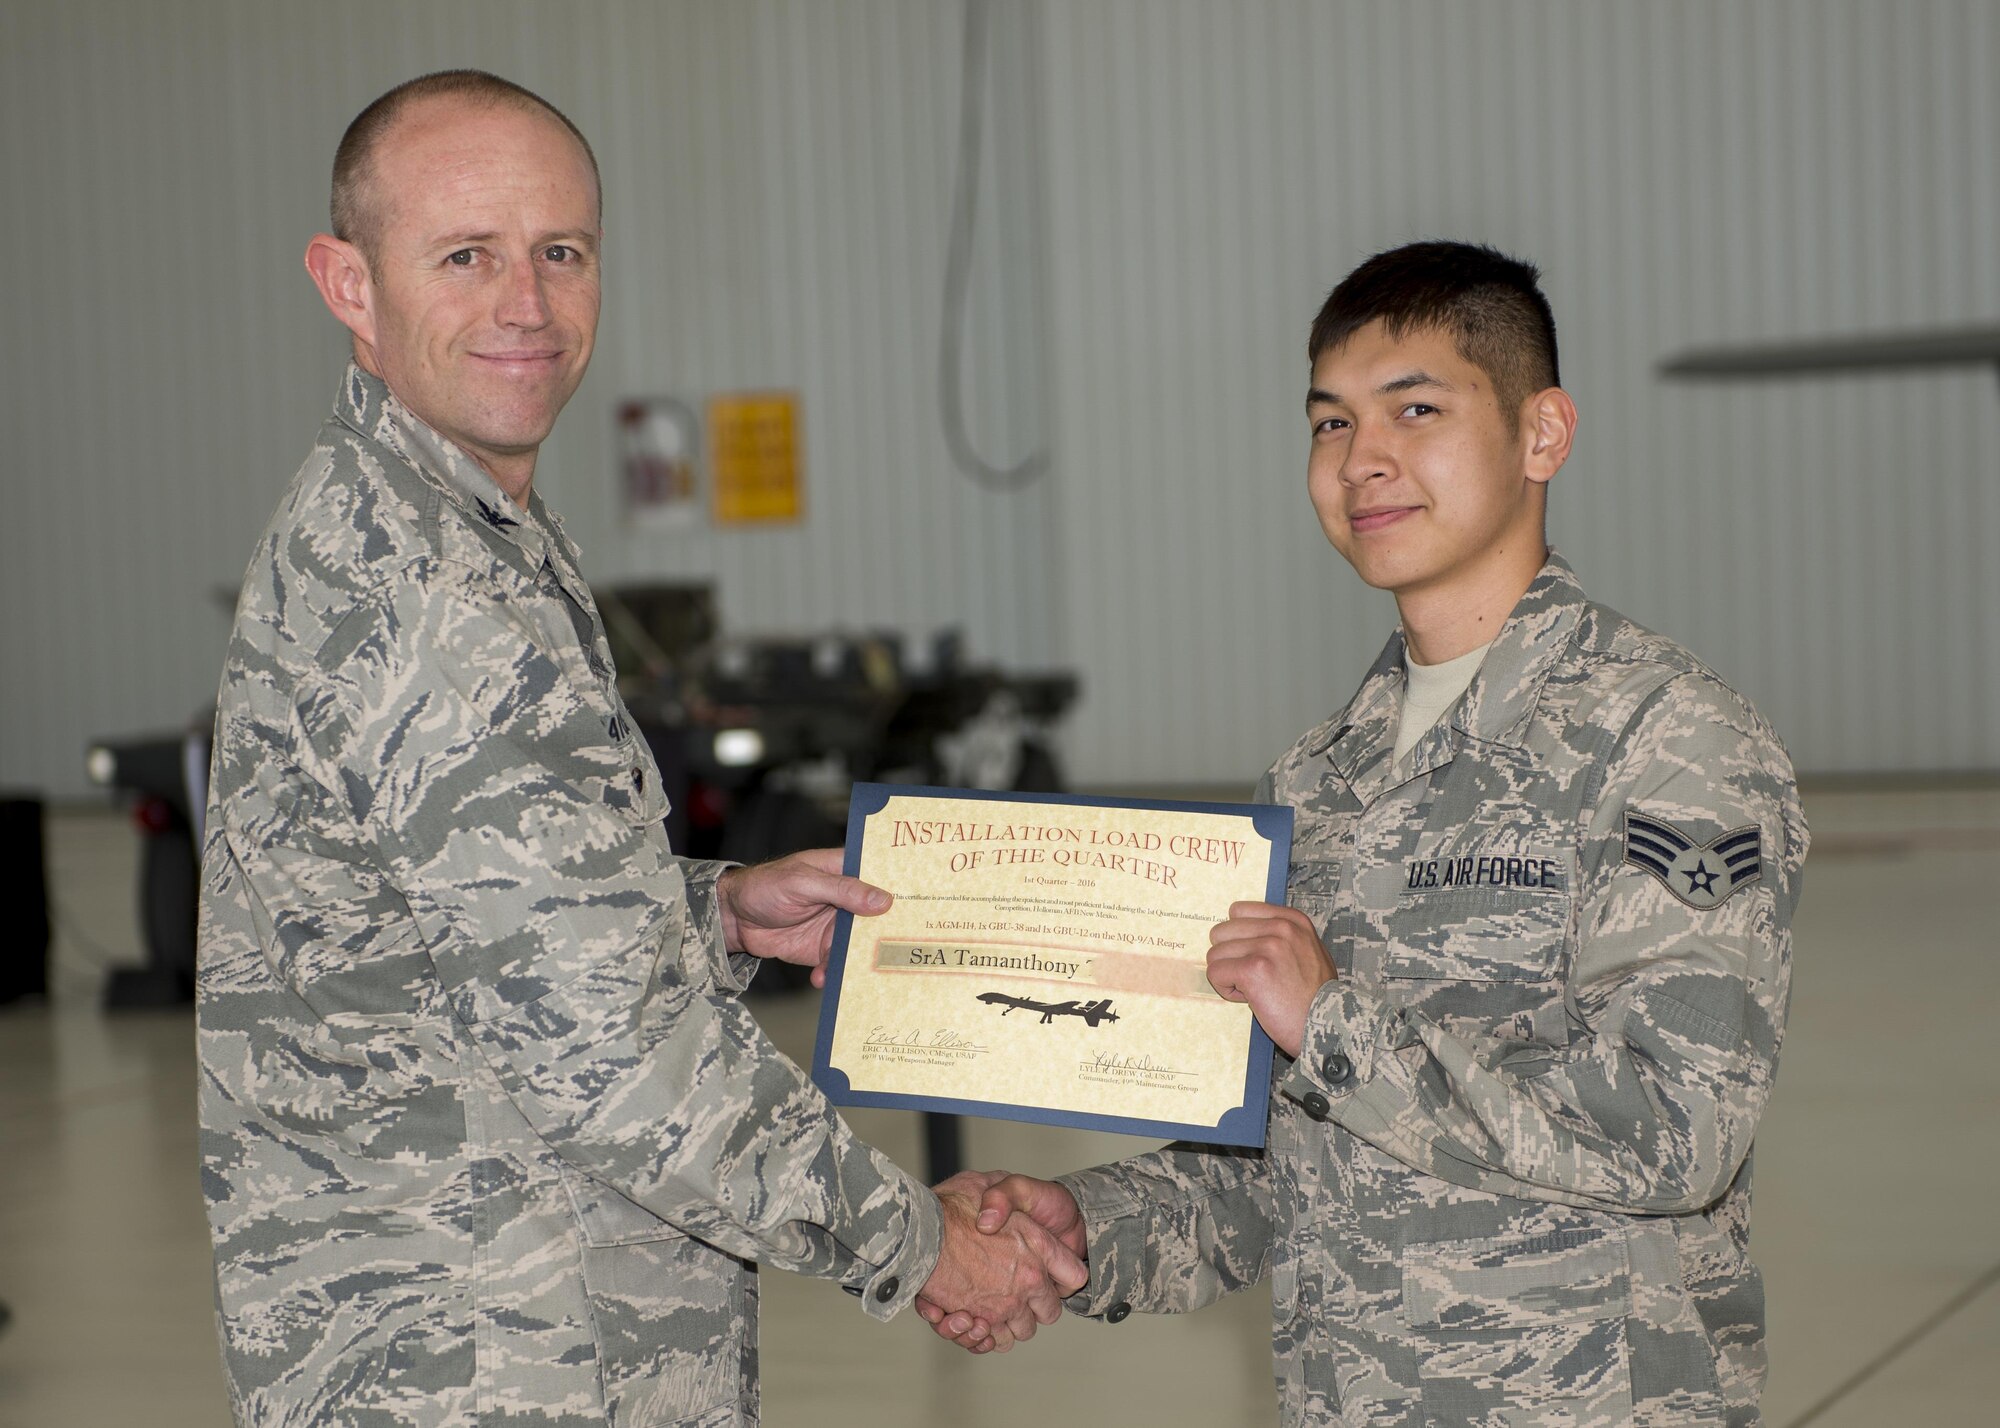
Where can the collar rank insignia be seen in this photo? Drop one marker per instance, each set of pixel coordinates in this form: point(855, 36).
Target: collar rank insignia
point(1702, 875)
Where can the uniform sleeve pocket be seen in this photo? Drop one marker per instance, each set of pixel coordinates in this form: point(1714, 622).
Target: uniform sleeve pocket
point(1313, 887)
point(1516, 1282)
point(1523, 1328)
point(674, 1321)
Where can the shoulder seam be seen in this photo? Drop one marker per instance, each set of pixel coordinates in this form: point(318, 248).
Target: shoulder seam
point(363, 599)
point(1601, 769)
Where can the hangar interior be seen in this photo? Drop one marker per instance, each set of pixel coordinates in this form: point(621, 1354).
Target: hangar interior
point(1046, 373)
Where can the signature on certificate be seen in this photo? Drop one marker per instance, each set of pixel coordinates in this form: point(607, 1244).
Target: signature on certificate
point(1131, 1063)
point(922, 1038)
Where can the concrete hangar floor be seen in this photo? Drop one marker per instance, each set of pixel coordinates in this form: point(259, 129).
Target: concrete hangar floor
point(1874, 1206)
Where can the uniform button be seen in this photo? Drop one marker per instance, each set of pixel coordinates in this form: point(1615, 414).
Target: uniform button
point(1117, 1313)
point(886, 1290)
point(1339, 1070)
point(853, 1289)
point(639, 777)
point(1316, 1105)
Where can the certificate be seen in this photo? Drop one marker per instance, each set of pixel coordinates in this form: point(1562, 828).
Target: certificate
point(1046, 960)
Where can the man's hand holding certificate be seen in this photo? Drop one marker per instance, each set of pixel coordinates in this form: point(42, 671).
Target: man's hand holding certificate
point(1047, 959)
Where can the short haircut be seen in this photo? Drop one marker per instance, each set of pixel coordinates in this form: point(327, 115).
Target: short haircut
point(356, 215)
point(1491, 305)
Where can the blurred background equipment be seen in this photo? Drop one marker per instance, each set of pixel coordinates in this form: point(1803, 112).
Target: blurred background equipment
point(24, 894)
point(164, 777)
point(760, 740)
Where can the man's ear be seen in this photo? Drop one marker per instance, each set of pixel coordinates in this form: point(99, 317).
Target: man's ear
point(1548, 427)
point(340, 272)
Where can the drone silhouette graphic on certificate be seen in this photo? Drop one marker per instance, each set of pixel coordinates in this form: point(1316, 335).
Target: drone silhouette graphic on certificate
point(1092, 1012)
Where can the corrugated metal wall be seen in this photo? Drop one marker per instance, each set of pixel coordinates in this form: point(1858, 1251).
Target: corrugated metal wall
point(778, 192)
point(1686, 174)
point(1171, 187)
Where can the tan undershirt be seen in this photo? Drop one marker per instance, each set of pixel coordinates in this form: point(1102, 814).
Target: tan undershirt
point(1432, 689)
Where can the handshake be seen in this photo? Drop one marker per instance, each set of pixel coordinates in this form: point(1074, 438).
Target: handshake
point(1012, 1248)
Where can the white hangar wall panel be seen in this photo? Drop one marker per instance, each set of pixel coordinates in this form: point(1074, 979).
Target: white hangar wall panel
point(1171, 185)
point(783, 202)
point(1687, 175)
point(778, 178)
point(163, 371)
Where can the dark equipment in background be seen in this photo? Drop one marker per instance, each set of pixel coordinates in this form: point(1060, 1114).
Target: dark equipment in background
point(760, 741)
point(24, 891)
point(165, 777)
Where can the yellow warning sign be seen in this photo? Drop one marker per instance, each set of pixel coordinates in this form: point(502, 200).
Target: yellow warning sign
point(753, 456)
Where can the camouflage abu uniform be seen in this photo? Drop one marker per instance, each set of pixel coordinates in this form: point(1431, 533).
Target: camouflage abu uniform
point(486, 1137)
point(1508, 1178)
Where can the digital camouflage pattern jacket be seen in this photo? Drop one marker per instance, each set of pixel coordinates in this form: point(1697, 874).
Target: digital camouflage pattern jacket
point(486, 1136)
point(1507, 1181)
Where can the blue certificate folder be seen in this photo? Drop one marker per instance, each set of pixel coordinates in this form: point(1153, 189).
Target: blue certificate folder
point(1243, 1124)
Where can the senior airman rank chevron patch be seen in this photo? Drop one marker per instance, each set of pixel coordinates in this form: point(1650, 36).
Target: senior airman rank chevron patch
point(1702, 875)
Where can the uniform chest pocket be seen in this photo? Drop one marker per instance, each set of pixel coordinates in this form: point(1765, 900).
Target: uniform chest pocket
point(1509, 924)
